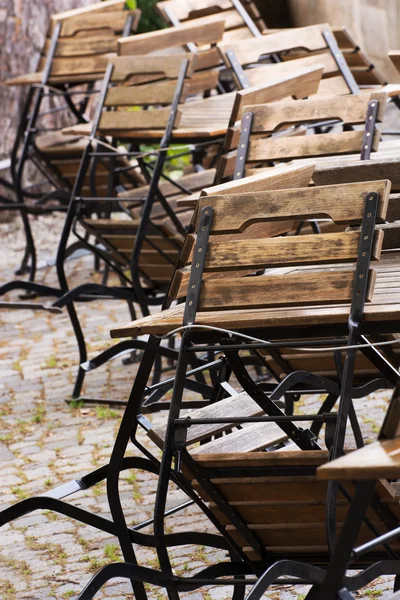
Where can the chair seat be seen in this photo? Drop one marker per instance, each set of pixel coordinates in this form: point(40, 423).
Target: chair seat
point(252, 438)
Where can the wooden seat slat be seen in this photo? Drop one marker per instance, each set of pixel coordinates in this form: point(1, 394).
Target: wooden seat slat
point(252, 438)
point(242, 404)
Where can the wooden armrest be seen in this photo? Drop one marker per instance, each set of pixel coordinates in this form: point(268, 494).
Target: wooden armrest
point(375, 461)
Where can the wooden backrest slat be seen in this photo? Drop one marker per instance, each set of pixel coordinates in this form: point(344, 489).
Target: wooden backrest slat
point(250, 50)
point(290, 250)
point(110, 20)
point(351, 110)
point(125, 121)
point(210, 31)
point(325, 144)
point(106, 6)
point(341, 203)
point(127, 66)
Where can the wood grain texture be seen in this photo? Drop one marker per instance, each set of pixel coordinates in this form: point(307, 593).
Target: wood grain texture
point(209, 31)
point(242, 404)
point(121, 122)
point(350, 170)
point(126, 66)
point(324, 144)
point(275, 290)
point(281, 177)
point(374, 461)
point(106, 6)
point(350, 110)
point(342, 204)
point(292, 250)
point(111, 20)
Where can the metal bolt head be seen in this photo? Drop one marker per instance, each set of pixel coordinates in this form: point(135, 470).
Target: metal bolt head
point(193, 286)
point(190, 302)
point(361, 276)
point(364, 254)
point(365, 237)
point(371, 198)
point(197, 265)
point(199, 249)
point(369, 215)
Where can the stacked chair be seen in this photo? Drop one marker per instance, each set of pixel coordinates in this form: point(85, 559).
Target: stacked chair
point(78, 46)
point(267, 272)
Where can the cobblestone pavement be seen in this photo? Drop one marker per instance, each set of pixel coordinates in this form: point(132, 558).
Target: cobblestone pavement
point(45, 442)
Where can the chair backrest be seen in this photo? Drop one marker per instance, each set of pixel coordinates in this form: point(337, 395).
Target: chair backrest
point(160, 80)
point(80, 41)
point(240, 16)
point(264, 140)
point(231, 251)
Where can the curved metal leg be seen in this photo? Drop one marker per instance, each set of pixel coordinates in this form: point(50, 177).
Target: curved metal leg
point(285, 567)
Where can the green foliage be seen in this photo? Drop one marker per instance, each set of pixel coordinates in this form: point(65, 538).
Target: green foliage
point(150, 20)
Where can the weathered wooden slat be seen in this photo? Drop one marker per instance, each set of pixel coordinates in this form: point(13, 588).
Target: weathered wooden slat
point(349, 170)
point(113, 20)
point(125, 120)
point(351, 110)
point(377, 460)
point(240, 405)
point(342, 204)
point(325, 144)
point(291, 290)
point(274, 252)
point(125, 66)
point(252, 438)
point(301, 84)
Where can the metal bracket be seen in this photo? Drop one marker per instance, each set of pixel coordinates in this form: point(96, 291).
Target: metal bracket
point(364, 257)
point(243, 146)
point(175, 22)
point(341, 61)
point(369, 129)
point(128, 26)
point(248, 21)
point(198, 263)
point(238, 70)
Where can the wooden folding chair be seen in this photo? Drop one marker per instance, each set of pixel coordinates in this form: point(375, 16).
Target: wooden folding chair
point(52, 500)
point(233, 484)
point(77, 49)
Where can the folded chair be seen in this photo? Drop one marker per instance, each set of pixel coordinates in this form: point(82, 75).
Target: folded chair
point(76, 52)
point(150, 270)
point(119, 236)
point(272, 307)
point(52, 500)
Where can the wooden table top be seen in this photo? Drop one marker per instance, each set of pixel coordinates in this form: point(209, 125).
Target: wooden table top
point(384, 307)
